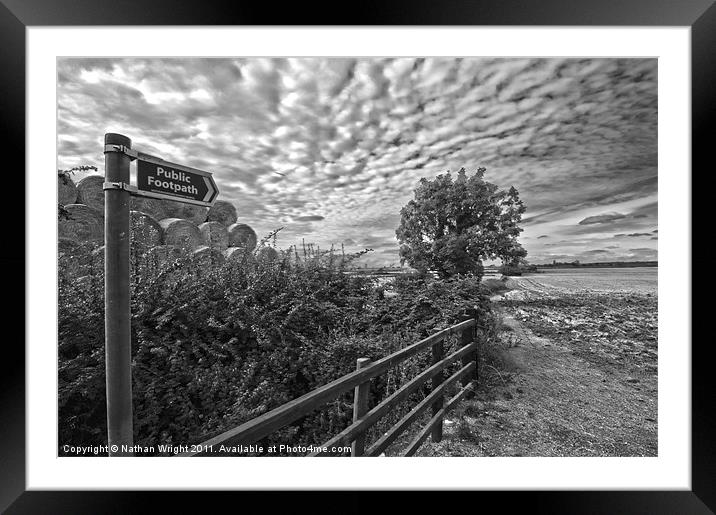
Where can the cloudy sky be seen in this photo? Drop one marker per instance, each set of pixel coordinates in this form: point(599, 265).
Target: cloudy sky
point(331, 149)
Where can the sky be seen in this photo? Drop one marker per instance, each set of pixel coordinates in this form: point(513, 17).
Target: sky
point(330, 149)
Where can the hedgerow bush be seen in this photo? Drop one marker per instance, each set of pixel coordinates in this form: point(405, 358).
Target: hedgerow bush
point(215, 346)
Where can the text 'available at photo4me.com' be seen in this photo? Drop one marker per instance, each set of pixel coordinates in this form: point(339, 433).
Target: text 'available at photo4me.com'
point(232, 450)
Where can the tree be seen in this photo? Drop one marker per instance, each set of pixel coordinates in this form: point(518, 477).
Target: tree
point(451, 227)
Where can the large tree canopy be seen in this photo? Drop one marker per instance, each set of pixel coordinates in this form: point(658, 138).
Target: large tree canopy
point(451, 227)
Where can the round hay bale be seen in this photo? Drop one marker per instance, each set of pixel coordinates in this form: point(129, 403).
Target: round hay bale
point(207, 256)
point(181, 233)
point(154, 207)
point(66, 190)
point(241, 235)
point(223, 212)
point(90, 192)
point(82, 224)
point(215, 235)
point(160, 209)
point(145, 231)
point(195, 214)
point(234, 253)
point(268, 254)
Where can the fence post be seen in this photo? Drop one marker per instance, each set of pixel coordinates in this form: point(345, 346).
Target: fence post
point(467, 337)
point(438, 353)
point(360, 408)
point(477, 350)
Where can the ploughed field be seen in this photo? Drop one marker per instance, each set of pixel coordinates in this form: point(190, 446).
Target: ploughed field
point(606, 316)
point(590, 280)
point(572, 372)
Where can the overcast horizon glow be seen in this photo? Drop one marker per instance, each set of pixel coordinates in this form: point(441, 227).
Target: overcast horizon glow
point(331, 149)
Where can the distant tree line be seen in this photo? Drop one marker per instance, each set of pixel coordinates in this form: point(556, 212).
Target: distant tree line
point(605, 264)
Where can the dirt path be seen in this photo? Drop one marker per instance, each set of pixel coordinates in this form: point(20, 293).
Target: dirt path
point(586, 385)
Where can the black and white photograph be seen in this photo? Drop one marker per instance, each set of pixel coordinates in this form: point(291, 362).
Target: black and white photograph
point(357, 256)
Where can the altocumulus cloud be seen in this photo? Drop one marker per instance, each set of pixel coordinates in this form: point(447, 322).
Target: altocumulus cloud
point(309, 218)
point(600, 219)
point(350, 138)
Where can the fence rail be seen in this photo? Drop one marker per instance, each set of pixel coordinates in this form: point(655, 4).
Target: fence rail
point(260, 427)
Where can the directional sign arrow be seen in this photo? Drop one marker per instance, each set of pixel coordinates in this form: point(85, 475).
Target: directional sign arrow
point(157, 178)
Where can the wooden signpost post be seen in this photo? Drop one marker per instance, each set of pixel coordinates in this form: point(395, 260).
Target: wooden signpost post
point(156, 178)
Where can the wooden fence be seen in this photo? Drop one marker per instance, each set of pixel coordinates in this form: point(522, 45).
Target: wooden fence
point(260, 427)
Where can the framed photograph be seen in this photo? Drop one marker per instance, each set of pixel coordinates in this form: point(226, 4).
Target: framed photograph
point(425, 235)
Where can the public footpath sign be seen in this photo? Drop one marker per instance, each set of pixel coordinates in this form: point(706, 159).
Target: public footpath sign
point(161, 179)
point(155, 178)
point(158, 178)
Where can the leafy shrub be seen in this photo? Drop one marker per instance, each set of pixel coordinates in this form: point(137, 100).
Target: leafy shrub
point(214, 347)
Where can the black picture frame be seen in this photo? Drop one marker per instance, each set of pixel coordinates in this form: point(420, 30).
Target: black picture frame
point(17, 15)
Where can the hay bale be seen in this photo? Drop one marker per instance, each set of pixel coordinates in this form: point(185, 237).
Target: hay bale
point(267, 254)
point(154, 207)
point(241, 235)
point(66, 190)
point(195, 214)
point(215, 235)
point(223, 212)
point(90, 192)
point(234, 253)
point(160, 209)
point(207, 256)
point(83, 224)
point(145, 231)
point(181, 233)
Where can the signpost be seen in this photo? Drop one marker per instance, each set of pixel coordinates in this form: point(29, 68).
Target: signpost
point(156, 178)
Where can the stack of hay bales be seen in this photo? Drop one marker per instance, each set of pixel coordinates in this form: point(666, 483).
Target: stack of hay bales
point(161, 230)
point(90, 193)
point(241, 239)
